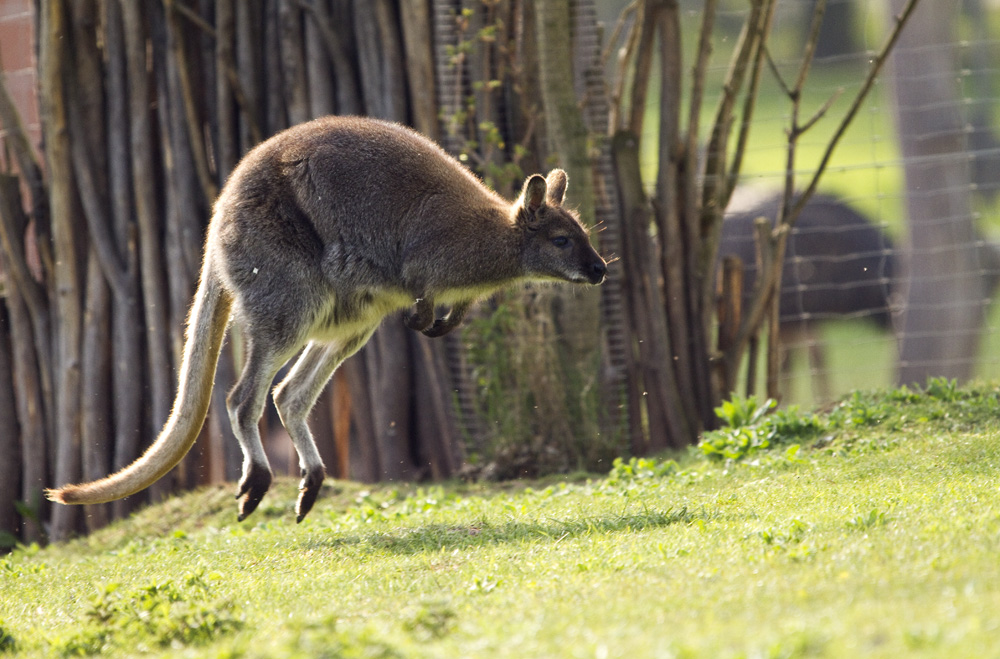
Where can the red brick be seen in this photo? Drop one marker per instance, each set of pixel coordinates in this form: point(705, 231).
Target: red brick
point(23, 91)
point(19, 8)
point(16, 48)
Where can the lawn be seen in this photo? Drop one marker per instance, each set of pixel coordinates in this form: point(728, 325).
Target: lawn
point(870, 531)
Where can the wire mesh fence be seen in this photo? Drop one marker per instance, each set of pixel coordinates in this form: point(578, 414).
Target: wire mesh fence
point(861, 249)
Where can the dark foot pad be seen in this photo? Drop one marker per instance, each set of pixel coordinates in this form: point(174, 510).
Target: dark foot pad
point(440, 327)
point(253, 487)
point(309, 488)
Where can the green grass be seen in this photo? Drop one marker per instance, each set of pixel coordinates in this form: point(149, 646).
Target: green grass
point(872, 530)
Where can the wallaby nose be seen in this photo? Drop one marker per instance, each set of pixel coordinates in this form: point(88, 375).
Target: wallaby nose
point(598, 270)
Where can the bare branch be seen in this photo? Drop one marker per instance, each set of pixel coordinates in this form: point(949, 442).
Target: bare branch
point(773, 66)
point(623, 18)
point(646, 28)
point(750, 101)
point(866, 86)
point(209, 188)
point(749, 40)
point(698, 93)
point(810, 48)
point(193, 16)
point(12, 223)
point(17, 138)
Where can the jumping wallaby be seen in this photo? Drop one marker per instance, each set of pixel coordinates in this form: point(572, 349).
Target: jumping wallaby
point(320, 232)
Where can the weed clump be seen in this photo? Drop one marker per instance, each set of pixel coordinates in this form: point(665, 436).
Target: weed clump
point(8, 644)
point(159, 615)
point(749, 427)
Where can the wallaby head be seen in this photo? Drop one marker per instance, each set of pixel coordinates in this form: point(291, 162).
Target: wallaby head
point(556, 245)
point(320, 232)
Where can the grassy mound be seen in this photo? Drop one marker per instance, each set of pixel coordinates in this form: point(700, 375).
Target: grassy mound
point(872, 529)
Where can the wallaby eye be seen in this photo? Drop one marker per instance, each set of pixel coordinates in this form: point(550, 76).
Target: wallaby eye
point(560, 241)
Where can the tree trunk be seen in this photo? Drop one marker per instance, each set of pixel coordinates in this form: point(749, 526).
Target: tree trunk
point(579, 310)
point(126, 319)
point(943, 309)
point(95, 388)
point(152, 277)
point(66, 241)
point(30, 357)
point(10, 440)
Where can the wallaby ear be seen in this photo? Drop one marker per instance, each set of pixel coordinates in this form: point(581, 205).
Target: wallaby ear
point(533, 193)
point(557, 181)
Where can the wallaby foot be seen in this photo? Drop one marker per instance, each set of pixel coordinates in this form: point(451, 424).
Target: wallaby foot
point(312, 481)
point(253, 487)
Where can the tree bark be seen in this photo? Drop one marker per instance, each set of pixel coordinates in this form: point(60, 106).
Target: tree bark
point(10, 436)
point(96, 388)
point(152, 279)
point(568, 137)
point(126, 319)
point(65, 241)
point(944, 300)
point(30, 348)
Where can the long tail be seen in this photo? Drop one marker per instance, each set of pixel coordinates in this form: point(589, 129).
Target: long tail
point(207, 323)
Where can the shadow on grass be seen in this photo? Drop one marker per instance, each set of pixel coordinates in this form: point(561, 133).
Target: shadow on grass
point(437, 537)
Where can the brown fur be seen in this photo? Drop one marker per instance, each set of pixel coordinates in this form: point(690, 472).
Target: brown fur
point(321, 232)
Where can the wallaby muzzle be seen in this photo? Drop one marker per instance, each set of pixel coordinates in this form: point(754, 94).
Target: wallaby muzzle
point(597, 272)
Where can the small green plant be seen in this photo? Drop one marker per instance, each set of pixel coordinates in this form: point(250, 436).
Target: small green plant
point(864, 521)
point(862, 410)
point(739, 412)
point(485, 584)
point(323, 638)
point(793, 532)
point(943, 389)
point(8, 644)
point(745, 432)
point(640, 468)
point(429, 621)
point(158, 615)
point(791, 424)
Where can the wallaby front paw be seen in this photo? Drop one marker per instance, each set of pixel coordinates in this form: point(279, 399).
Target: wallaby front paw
point(309, 488)
point(253, 487)
point(415, 321)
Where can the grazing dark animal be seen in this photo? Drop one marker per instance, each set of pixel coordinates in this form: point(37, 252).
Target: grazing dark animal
point(320, 232)
point(837, 265)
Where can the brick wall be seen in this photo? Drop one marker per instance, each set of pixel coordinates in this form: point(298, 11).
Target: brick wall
point(17, 59)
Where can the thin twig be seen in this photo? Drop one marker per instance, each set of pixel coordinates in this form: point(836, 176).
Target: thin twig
point(821, 112)
point(619, 27)
point(193, 16)
point(808, 54)
point(744, 51)
point(750, 101)
point(622, 68)
point(773, 66)
point(646, 33)
point(690, 186)
point(869, 82)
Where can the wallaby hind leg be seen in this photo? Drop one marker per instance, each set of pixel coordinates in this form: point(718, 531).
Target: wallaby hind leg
point(295, 397)
point(245, 404)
